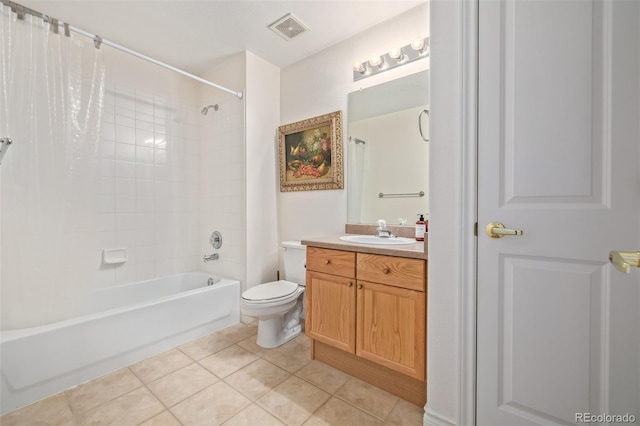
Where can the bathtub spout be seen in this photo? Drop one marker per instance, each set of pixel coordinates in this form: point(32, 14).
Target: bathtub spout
point(210, 257)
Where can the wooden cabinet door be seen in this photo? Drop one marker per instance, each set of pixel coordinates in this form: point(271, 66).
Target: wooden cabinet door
point(331, 310)
point(391, 327)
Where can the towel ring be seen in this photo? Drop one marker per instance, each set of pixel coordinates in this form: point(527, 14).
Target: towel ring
point(420, 123)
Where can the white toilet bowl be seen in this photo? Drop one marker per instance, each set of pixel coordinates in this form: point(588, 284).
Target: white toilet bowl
point(277, 306)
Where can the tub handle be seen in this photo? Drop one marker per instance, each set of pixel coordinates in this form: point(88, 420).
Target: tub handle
point(216, 240)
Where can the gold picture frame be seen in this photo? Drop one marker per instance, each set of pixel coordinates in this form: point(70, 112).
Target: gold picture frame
point(310, 154)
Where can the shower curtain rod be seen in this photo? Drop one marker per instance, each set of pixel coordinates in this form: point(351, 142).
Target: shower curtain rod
point(97, 41)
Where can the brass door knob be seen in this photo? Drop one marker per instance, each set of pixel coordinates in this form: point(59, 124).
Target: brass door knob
point(624, 260)
point(497, 230)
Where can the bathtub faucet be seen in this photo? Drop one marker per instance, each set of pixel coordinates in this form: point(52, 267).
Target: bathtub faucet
point(210, 257)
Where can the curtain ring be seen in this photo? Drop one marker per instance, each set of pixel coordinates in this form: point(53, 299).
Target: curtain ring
point(97, 41)
point(19, 9)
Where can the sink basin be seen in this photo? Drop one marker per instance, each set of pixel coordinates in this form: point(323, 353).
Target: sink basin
point(372, 239)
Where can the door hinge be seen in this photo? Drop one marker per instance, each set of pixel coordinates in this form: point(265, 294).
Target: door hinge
point(475, 229)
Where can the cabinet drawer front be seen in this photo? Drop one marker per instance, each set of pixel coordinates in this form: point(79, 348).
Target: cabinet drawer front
point(335, 262)
point(395, 271)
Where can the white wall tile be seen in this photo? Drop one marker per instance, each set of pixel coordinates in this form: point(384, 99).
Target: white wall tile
point(125, 134)
point(125, 169)
point(126, 239)
point(125, 152)
point(125, 221)
point(163, 190)
point(144, 154)
point(106, 222)
point(145, 171)
point(144, 137)
point(107, 132)
point(125, 204)
point(107, 149)
point(107, 167)
point(125, 187)
point(145, 271)
point(145, 188)
point(125, 273)
point(105, 204)
point(145, 204)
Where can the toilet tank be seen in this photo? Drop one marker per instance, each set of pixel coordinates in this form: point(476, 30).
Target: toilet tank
point(294, 260)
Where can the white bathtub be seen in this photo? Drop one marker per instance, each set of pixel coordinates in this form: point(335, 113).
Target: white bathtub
point(128, 323)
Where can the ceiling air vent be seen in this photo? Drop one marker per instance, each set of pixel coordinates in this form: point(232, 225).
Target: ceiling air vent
point(288, 27)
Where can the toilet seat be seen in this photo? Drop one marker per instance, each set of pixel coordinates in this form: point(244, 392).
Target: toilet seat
point(274, 291)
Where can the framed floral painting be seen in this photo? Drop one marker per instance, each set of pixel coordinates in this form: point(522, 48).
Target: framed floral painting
point(311, 154)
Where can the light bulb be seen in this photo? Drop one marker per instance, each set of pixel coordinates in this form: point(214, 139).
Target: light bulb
point(375, 61)
point(358, 67)
point(395, 52)
point(418, 44)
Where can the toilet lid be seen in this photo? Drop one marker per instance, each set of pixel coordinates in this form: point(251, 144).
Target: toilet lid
point(272, 290)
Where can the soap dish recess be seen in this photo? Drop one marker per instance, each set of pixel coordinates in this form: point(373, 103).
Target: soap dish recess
point(111, 256)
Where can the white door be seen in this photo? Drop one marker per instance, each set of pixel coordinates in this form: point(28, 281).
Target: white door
point(558, 335)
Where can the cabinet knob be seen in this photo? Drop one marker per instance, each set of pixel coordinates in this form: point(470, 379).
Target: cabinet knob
point(326, 262)
point(386, 270)
point(349, 284)
point(359, 286)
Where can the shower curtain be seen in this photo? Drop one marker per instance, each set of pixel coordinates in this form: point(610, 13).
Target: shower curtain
point(51, 94)
point(356, 158)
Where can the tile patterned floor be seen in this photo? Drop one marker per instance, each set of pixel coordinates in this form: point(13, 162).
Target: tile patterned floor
point(223, 379)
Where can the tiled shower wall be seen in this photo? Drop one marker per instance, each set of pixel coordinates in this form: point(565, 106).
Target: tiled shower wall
point(147, 200)
point(222, 186)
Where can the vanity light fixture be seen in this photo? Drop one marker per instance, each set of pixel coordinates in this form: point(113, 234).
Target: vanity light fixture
point(418, 48)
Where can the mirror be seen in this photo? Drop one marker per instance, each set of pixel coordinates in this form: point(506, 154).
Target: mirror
point(387, 156)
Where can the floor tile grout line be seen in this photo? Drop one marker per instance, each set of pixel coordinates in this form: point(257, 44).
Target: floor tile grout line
point(392, 408)
point(188, 396)
point(365, 411)
point(76, 415)
point(64, 392)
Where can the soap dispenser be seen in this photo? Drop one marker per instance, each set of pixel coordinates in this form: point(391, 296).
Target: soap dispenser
point(421, 228)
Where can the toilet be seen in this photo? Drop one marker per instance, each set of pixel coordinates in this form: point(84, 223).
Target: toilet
point(279, 305)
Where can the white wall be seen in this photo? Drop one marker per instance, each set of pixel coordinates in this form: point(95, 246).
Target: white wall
point(262, 120)
point(319, 85)
point(443, 337)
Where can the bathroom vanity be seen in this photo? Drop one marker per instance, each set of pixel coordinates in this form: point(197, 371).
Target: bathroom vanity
point(366, 312)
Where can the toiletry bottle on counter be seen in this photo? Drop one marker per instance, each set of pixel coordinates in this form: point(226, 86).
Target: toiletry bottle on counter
point(421, 228)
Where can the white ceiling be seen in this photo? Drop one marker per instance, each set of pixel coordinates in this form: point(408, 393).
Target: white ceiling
point(195, 35)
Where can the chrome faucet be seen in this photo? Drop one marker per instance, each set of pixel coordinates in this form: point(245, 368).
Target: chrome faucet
point(382, 230)
point(210, 257)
